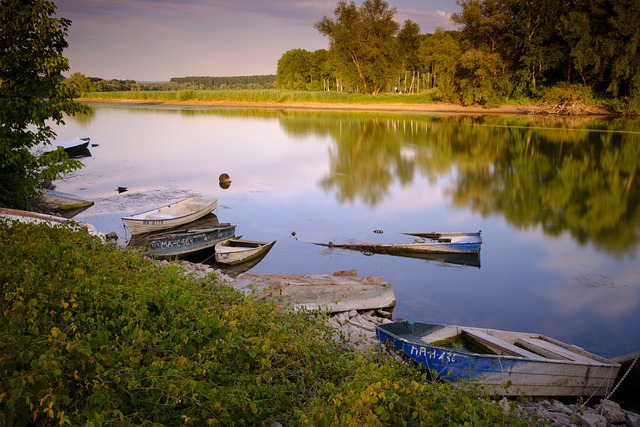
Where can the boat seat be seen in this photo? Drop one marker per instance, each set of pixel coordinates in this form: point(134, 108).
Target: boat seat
point(554, 351)
point(500, 346)
point(159, 216)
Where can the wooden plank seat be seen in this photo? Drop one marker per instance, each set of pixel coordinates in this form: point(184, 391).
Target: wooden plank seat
point(554, 351)
point(500, 346)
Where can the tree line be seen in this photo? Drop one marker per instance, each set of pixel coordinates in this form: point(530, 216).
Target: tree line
point(504, 49)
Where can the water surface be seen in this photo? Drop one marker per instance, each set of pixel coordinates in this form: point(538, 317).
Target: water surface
point(558, 203)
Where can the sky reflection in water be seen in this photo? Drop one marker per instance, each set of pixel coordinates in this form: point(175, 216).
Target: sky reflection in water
point(340, 176)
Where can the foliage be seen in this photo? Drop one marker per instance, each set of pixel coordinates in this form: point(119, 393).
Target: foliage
point(363, 44)
point(31, 42)
point(91, 334)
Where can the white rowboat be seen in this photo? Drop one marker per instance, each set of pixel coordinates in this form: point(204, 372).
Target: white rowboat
point(169, 216)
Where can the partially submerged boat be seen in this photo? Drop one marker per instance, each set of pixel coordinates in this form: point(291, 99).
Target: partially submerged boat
point(77, 146)
point(179, 243)
point(502, 362)
point(238, 250)
point(65, 202)
point(425, 243)
point(169, 216)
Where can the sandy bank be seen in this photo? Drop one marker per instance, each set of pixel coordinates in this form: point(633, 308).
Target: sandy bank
point(436, 108)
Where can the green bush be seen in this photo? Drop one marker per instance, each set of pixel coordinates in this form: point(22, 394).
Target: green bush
point(94, 335)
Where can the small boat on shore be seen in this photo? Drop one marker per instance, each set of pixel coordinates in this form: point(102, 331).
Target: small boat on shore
point(425, 243)
point(180, 243)
point(39, 218)
point(237, 250)
point(333, 293)
point(173, 215)
point(503, 362)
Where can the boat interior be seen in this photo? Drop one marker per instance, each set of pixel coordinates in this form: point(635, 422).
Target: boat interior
point(504, 343)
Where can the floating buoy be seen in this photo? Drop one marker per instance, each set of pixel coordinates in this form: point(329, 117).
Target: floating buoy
point(225, 181)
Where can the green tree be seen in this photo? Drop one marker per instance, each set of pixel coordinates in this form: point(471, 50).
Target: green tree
point(294, 70)
point(80, 82)
point(363, 44)
point(441, 53)
point(31, 93)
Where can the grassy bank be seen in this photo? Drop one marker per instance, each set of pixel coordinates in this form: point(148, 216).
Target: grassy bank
point(94, 335)
point(261, 96)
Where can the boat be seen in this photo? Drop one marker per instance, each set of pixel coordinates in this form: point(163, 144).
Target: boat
point(77, 145)
point(459, 243)
point(238, 250)
point(179, 243)
point(445, 235)
point(50, 220)
point(169, 216)
point(502, 362)
point(332, 293)
point(65, 202)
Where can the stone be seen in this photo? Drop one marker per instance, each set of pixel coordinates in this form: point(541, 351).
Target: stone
point(592, 420)
point(611, 411)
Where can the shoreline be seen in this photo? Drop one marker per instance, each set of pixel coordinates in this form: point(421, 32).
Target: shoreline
point(435, 108)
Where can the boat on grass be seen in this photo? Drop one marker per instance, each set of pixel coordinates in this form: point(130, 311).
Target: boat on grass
point(179, 243)
point(503, 362)
point(50, 220)
point(173, 215)
point(454, 243)
point(238, 250)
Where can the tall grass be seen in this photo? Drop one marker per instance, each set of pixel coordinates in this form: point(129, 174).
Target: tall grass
point(260, 96)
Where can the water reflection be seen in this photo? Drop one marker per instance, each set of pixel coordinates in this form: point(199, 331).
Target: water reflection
point(557, 200)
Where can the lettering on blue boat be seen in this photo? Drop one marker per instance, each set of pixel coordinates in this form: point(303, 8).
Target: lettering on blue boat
point(432, 354)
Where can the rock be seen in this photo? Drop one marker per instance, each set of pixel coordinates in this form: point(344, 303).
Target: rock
point(590, 419)
point(611, 411)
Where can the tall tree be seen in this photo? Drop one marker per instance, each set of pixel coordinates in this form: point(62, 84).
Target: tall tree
point(363, 43)
point(31, 93)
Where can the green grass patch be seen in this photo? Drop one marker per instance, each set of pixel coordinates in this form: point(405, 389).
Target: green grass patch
point(265, 95)
point(95, 335)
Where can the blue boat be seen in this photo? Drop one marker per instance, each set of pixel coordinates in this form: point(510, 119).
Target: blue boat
point(503, 362)
point(179, 243)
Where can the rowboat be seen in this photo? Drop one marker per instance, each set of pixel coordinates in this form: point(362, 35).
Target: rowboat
point(74, 146)
point(237, 250)
point(50, 220)
point(179, 243)
point(450, 243)
point(445, 235)
point(503, 362)
point(332, 293)
point(169, 216)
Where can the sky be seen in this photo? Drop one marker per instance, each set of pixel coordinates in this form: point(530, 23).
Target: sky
point(154, 40)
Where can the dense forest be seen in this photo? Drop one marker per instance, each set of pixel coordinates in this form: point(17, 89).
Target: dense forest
point(557, 50)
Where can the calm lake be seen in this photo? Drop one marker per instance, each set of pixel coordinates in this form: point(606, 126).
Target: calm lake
point(558, 203)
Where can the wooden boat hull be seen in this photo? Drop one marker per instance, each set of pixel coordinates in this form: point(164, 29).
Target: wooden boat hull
point(511, 363)
point(342, 291)
point(64, 201)
point(236, 251)
point(410, 248)
point(174, 215)
point(176, 244)
point(51, 220)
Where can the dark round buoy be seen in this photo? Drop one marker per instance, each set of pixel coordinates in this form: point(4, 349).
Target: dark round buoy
point(225, 184)
point(224, 177)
